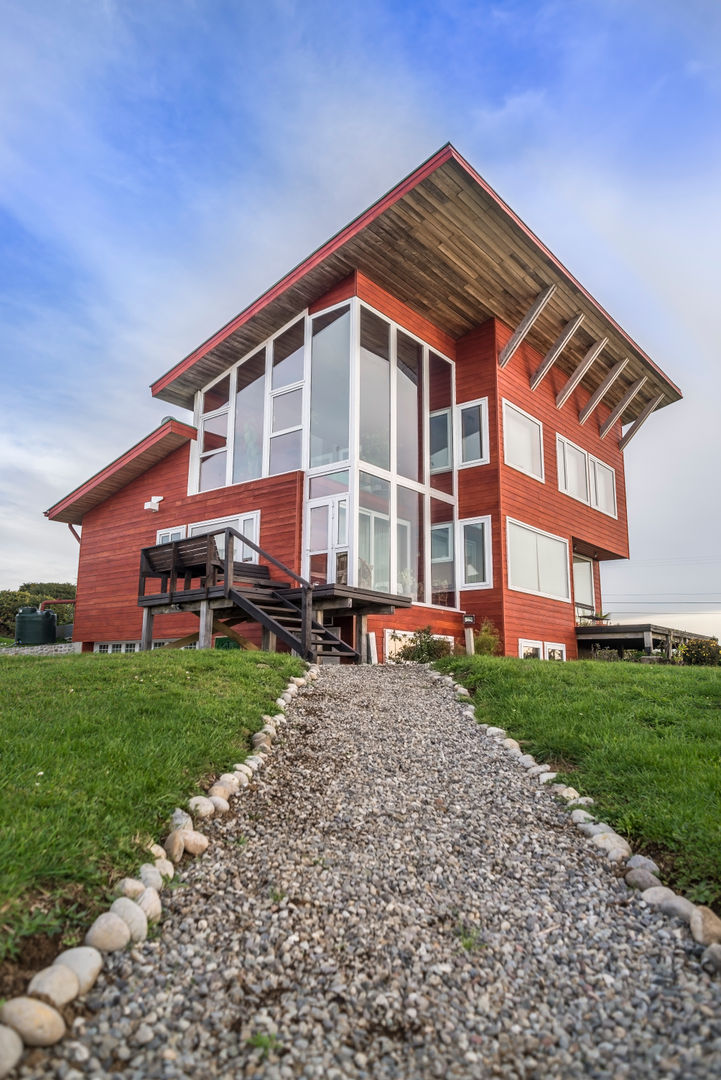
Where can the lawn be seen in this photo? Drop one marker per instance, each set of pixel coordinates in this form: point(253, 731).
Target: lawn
point(643, 741)
point(95, 753)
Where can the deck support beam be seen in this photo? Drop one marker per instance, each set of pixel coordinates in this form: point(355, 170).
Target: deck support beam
point(205, 631)
point(268, 641)
point(621, 407)
point(564, 394)
point(146, 635)
point(525, 325)
point(555, 351)
point(639, 421)
point(361, 637)
point(602, 390)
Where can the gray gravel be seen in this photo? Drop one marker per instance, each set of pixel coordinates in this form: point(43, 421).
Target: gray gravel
point(394, 897)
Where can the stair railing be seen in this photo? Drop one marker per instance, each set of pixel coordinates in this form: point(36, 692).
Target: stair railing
point(306, 607)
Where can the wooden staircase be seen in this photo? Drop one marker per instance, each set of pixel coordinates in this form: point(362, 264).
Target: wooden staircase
point(251, 594)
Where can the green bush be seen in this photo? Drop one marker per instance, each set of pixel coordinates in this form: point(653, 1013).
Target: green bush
point(423, 647)
point(701, 651)
point(487, 641)
point(31, 594)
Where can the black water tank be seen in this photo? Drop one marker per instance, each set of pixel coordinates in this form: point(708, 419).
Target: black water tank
point(33, 627)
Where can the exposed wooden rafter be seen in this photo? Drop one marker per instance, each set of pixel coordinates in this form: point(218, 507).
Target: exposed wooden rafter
point(640, 419)
point(525, 325)
point(564, 394)
point(555, 351)
point(599, 394)
point(622, 406)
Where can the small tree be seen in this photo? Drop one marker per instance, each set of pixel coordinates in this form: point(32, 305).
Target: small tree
point(487, 641)
point(423, 647)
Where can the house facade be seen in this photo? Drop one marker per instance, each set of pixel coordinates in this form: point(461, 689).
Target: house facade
point(429, 408)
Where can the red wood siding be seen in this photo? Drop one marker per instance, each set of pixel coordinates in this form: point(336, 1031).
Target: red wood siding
point(406, 317)
point(342, 291)
point(115, 531)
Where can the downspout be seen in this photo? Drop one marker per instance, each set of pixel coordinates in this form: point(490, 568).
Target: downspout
point(52, 603)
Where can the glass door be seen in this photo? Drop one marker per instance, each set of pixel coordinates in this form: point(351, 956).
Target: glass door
point(327, 540)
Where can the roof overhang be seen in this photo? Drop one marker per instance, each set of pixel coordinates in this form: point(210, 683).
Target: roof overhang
point(446, 244)
point(148, 452)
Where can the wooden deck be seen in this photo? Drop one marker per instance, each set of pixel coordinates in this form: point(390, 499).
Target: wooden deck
point(646, 636)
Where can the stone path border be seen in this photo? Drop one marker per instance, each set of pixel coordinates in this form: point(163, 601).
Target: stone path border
point(34, 1019)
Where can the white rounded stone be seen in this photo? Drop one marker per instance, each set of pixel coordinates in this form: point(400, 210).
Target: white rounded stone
point(109, 932)
point(547, 777)
point(510, 744)
point(243, 780)
point(496, 732)
point(222, 806)
point(200, 806)
point(291, 689)
point(231, 781)
point(679, 908)
point(181, 820)
point(537, 770)
point(579, 817)
point(705, 926)
point(36, 1023)
point(149, 903)
point(133, 916)
point(527, 760)
point(85, 961)
point(280, 703)
point(220, 789)
point(129, 886)
point(242, 767)
point(570, 795)
point(174, 846)
point(195, 842)
point(157, 851)
point(11, 1049)
point(165, 868)
point(150, 875)
point(58, 982)
point(611, 842)
point(657, 895)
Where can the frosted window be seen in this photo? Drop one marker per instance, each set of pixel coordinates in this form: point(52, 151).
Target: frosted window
point(537, 563)
point(288, 356)
point(409, 407)
point(285, 453)
point(605, 485)
point(572, 463)
point(249, 400)
point(375, 389)
point(287, 410)
point(523, 439)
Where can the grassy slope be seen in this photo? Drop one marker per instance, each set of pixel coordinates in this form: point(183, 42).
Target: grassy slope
point(645, 742)
point(95, 752)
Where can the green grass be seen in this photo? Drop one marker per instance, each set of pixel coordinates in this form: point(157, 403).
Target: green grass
point(644, 742)
point(95, 753)
point(6, 641)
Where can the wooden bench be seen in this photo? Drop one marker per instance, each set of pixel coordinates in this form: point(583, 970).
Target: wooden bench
point(196, 557)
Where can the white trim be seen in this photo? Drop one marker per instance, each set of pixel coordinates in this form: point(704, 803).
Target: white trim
point(540, 532)
point(234, 521)
point(591, 482)
point(585, 613)
point(461, 583)
point(548, 645)
point(173, 528)
point(482, 405)
point(506, 404)
point(523, 642)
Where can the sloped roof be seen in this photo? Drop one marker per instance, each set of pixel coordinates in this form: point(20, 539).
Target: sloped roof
point(148, 452)
point(446, 244)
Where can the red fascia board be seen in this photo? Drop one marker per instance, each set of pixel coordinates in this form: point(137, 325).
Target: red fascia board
point(556, 262)
point(347, 233)
point(170, 427)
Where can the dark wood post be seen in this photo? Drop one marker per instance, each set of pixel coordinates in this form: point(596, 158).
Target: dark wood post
point(306, 627)
point(146, 637)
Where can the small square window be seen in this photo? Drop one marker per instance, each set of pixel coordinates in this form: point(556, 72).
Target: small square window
point(530, 650)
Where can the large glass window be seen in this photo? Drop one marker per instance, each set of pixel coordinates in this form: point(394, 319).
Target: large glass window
point(440, 404)
point(375, 389)
point(475, 539)
point(585, 478)
point(374, 533)
point(213, 435)
point(603, 487)
point(247, 525)
point(522, 440)
point(288, 356)
point(472, 432)
point(330, 388)
point(443, 573)
point(409, 407)
point(410, 548)
point(537, 562)
point(249, 406)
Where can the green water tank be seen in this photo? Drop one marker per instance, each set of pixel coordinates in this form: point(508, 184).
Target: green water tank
point(33, 627)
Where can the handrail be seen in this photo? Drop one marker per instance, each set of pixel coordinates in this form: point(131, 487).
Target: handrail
point(251, 544)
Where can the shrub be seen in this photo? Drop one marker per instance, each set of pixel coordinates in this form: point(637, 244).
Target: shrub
point(487, 640)
point(701, 651)
point(423, 647)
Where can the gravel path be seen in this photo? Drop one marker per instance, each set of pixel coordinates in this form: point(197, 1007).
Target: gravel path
point(394, 897)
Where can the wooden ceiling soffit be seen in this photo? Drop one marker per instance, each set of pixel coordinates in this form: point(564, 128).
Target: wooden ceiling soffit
point(641, 419)
point(622, 406)
point(566, 391)
point(525, 325)
point(555, 351)
point(603, 388)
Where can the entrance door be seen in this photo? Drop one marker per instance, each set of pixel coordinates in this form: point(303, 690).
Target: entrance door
point(327, 540)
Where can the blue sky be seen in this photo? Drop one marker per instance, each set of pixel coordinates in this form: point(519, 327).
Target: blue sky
point(161, 163)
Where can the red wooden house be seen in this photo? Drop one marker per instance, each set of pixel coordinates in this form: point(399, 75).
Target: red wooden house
point(425, 418)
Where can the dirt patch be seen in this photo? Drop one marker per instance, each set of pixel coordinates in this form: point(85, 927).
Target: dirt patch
point(36, 952)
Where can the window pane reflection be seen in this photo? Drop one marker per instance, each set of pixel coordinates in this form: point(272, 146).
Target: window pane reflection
point(374, 554)
point(288, 356)
point(375, 389)
point(409, 407)
point(248, 449)
point(285, 452)
point(330, 388)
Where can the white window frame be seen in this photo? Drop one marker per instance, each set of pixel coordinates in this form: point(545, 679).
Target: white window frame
point(485, 521)
point(447, 413)
point(548, 645)
point(585, 613)
point(234, 522)
point(540, 532)
point(523, 642)
point(166, 532)
point(482, 404)
point(534, 420)
point(591, 484)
